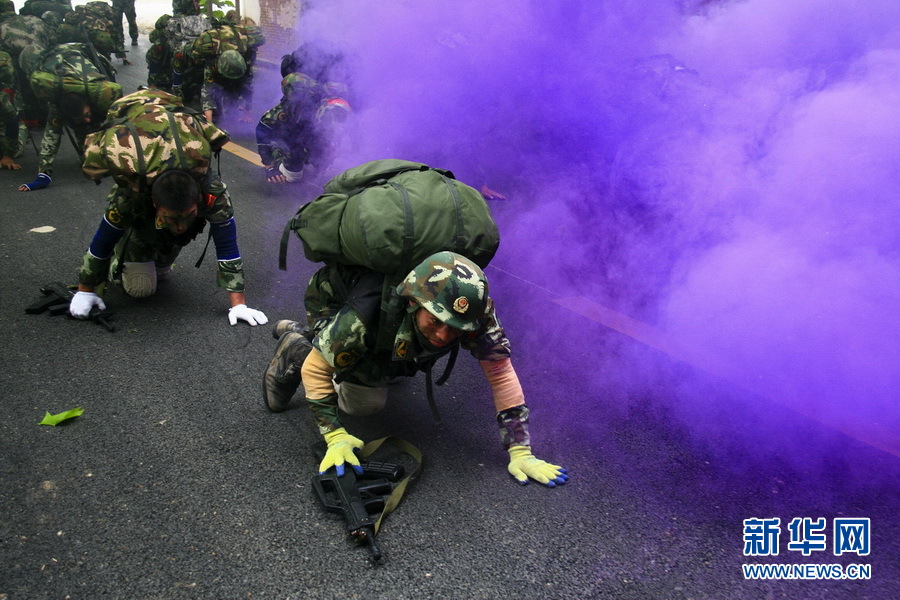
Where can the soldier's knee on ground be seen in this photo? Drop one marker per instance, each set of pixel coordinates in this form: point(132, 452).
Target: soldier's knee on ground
point(139, 279)
point(360, 400)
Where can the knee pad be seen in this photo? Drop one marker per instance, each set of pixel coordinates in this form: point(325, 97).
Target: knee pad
point(139, 279)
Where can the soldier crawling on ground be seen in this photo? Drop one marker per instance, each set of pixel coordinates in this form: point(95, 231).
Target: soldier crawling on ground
point(154, 213)
point(77, 93)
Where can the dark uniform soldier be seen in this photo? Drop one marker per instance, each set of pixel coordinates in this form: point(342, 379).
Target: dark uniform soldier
point(125, 8)
point(445, 303)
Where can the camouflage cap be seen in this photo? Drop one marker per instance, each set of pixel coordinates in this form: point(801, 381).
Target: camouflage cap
point(231, 64)
point(449, 286)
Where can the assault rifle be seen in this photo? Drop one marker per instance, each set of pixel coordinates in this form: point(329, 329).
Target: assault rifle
point(55, 298)
point(360, 499)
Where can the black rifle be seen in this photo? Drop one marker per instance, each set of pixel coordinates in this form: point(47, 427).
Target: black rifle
point(55, 298)
point(360, 499)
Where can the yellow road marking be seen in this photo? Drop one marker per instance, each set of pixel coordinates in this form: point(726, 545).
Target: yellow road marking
point(242, 152)
point(864, 431)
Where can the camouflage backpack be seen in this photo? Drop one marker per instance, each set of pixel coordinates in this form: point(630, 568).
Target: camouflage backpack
point(91, 22)
point(68, 68)
point(214, 42)
point(20, 31)
point(147, 133)
point(181, 31)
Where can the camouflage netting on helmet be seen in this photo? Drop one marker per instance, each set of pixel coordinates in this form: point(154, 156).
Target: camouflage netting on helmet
point(148, 133)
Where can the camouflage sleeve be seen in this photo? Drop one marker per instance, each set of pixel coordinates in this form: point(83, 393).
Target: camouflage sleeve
point(50, 142)
point(218, 206)
point(94, 271)
point(490, 341)
point(325, 412)
point(230, 275)
point(341, 341)
point(267, 134)
point(514, 426)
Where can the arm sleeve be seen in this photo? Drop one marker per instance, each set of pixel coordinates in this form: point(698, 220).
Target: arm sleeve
point(316, 375)
point(264, 137)
point(95, 266)
point(504, 383)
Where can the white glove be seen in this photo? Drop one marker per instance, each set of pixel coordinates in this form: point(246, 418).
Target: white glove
point(82, 302)
point(251, 315)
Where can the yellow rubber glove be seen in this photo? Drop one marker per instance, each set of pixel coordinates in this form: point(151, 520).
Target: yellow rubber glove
point(341, 446)
point(523, 464)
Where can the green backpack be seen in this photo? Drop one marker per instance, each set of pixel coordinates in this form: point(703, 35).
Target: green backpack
point(390, 215)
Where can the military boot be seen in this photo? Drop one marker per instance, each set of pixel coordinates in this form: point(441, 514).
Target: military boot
point(282, 376)
point(285, 325)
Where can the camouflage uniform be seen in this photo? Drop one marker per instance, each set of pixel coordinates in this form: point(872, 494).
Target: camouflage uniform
point(130, 230)
point(186, 70)
point(159, 56)
point(285, 135)
point(125, 8)
point(219, 87)
point(77, 58)
point(13, 132)
point(181, 8)
point(346, 335)
point(132, 218)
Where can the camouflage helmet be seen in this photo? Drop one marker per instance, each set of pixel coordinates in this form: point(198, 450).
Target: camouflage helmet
point(231, 64)
point(333, 111)
point(30, 58)
point(52, 19)
point(449, 286)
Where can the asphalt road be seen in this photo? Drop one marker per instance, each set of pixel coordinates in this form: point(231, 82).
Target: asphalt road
point(177, 483)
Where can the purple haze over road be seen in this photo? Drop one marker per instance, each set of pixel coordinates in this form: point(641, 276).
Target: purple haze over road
point(725, 172)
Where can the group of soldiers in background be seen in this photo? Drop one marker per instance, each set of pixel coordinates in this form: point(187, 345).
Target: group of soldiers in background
point(207, 61)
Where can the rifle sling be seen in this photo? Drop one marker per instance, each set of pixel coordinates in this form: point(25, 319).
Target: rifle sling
point(394, 499)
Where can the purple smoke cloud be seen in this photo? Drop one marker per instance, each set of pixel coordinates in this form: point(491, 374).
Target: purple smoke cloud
point(723, 172)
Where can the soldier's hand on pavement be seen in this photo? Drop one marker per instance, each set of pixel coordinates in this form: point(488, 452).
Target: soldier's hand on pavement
point(274, 175)
point(42, 181)
point(82, 302)
point(523, 464)
point(245, 313)
point(8, 163)
point(341, 447)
